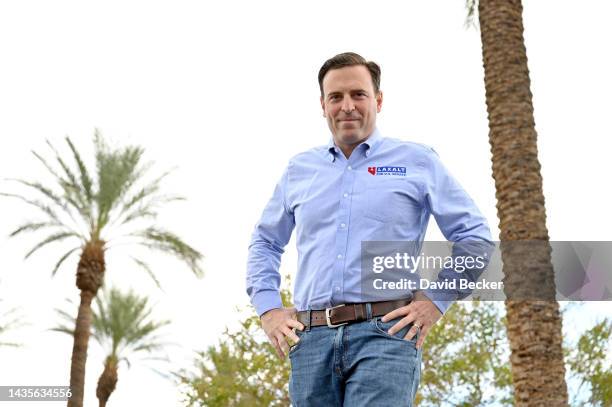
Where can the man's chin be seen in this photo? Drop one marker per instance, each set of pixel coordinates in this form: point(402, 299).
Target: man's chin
point(350, 138)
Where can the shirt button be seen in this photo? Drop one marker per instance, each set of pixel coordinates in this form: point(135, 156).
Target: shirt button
point(345, 195)
point(337, 288)
point(339, 256)
point(343, 225)
point(350, 168)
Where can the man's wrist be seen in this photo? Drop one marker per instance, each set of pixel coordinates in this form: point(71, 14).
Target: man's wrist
point(419, 295)
point(261, 317)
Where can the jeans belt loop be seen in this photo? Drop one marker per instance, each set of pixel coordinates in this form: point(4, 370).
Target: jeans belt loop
point(308, 320)
point(368, 311)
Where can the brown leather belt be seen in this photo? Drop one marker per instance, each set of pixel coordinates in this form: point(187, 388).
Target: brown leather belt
point(343, 314)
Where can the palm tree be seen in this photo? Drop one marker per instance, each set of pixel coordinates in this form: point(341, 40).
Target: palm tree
point(533, 318)
point(85, 211)
point(122, 325)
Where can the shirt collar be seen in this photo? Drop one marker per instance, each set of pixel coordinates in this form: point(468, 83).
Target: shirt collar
point(332, 150)
point(368, 145)
point(371, 142)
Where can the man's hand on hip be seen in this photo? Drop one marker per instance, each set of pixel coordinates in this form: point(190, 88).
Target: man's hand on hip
point(421, 311)
point(277, 324)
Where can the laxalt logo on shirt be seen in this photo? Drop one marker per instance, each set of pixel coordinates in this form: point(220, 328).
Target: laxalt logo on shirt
point(388, 170)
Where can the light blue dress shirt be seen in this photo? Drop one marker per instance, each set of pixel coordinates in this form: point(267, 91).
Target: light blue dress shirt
point(334, 204)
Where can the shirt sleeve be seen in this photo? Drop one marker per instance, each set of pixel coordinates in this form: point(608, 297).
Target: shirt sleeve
point(461, 222)
point(271, 235)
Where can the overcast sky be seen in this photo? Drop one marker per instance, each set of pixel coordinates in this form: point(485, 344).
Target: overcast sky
point(227, 92)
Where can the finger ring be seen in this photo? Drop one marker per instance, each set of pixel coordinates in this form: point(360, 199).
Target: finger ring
point(418, 325)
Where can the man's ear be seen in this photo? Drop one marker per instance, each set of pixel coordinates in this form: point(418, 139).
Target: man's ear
point(379, 100)
point(323, 106)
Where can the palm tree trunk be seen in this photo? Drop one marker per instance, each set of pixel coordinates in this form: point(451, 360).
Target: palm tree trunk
point(79, 350)
point(89, 278)
point(533, 319)
point(107, 381)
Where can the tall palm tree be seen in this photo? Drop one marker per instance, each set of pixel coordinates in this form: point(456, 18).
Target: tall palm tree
point(533, 318)
point(122, 325)
point(118, 206)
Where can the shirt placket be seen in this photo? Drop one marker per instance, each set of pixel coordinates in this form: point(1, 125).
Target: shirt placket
point(342, 230)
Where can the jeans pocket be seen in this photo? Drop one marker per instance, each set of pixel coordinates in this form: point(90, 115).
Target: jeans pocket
point(383, 328)
point(293, 348)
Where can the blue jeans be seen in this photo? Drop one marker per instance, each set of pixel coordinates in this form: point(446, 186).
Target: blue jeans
point(359, 364)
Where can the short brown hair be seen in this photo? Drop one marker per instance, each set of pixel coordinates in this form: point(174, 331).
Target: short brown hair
point(350, 59)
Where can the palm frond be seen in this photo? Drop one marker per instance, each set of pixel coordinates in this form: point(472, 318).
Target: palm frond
point(47, 166)
point(163, 374)
point(86, 182)
point(67, 317)
point(10, 320)
point(140, 214)
point(138, 197)
point(143, 193)
point(62, 259)
point(53, 238)
point(101, 322)
point(68, 320)
point(46, 192)
point(170, 243)
point(117, 171)
point(58, 201)
point(147, 268)
point(149, 210)
point(63, 329)
point(70, 184)
point(33, 226)
point(127, 362)
point(470, 20)
point(148, 347)
point(159, 358)
point(38, 204)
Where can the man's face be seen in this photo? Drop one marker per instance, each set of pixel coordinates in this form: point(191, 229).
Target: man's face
point(350, 104)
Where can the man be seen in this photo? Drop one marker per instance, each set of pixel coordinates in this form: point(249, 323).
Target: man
point(360, 187)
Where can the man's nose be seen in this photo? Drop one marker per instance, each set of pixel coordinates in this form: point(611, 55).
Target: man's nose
point(348, 106)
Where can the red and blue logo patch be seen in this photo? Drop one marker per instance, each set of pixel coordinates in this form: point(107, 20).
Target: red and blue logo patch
point(388, 170)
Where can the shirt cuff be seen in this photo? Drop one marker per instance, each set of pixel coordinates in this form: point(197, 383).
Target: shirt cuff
point(442, 300)
point(266, 300)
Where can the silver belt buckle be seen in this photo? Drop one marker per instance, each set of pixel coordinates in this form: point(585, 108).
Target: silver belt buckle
point(328, 317)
